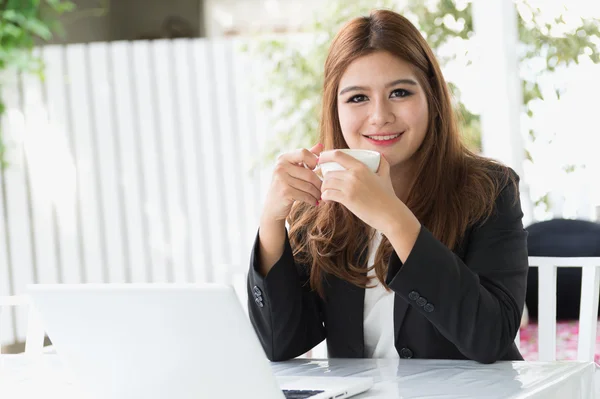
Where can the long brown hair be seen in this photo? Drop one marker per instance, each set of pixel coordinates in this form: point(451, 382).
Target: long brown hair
point(452, 190)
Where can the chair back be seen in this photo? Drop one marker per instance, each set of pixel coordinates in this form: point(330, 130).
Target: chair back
point(588, 311)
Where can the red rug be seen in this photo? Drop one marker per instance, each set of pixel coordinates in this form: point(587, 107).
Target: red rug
point(566, 341)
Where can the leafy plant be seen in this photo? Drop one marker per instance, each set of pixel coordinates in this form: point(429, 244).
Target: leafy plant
point(22, 22)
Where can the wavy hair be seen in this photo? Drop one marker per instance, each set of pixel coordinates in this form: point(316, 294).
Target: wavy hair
point(453, 188)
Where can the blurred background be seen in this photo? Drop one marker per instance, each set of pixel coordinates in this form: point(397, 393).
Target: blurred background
point(137, 136)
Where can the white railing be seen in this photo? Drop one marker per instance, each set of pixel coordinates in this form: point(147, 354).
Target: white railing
point(130, 162)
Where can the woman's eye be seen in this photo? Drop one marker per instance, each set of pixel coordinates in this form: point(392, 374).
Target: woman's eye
point(400, 93)
point(357, 99)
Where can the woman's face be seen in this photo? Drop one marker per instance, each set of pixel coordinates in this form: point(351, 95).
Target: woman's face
point(382, 107)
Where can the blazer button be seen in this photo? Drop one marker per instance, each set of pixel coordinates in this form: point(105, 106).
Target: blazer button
point(405, 353)
point(259, 302)
point(414, 295)
point(421, 301)
point(429, 308)
point(257, 291)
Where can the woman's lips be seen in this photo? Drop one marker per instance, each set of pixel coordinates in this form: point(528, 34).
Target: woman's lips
point(384, 140)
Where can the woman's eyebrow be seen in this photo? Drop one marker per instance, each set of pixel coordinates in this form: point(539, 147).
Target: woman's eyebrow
point(394, 83)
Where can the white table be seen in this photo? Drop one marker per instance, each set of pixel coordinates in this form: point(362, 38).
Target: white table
point(44, 377)
point(416, 378)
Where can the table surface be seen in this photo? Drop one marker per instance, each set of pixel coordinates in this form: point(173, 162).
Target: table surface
point(44, 376)
point(418, 378)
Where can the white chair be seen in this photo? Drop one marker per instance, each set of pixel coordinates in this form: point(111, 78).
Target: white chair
point(588, 313)
point(34, 340)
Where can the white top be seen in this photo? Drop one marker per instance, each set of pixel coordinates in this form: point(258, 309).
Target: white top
point(378, 314)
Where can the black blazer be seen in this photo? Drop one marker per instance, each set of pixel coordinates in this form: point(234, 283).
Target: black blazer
point(463, 305)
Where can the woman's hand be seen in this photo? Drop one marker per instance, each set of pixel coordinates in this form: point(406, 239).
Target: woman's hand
point(293, 182)
point(370, 196)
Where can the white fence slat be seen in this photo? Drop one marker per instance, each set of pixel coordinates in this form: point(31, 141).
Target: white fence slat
point(17, 196)
point(64, 183)
point(250, 184)
point(210, 156)
point(247, 69)
point(212, 231)
point(588, 312)
point(152, 189)
point(170, 137)
point(239, 132)
point(547, 312)
point(226, 140)
point(80, 111)
point(107, 160)
point(43, 150)
point(264, 134)
point(198, 232)
point(126, 114)
point(6, 324)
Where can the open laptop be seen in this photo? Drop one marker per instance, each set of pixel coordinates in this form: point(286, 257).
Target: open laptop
point(157, 341)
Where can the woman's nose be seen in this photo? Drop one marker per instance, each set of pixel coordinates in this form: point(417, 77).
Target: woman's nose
point(382, 113)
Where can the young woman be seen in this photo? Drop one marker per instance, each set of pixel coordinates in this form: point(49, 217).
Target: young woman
point(427, 257)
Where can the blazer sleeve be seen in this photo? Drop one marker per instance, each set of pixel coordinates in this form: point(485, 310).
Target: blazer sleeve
point(477, 303)
point(284, 310)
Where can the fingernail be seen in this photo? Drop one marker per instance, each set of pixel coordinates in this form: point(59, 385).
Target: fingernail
point(318, 159)
point(320, 145)
point(317, 203)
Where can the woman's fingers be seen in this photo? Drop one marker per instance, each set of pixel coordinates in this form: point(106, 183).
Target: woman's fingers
point(304, 186)
point(300, 157)
point(296, 194)
point(304, 174)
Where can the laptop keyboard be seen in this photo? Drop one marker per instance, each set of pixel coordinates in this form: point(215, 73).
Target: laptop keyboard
point(289, 394)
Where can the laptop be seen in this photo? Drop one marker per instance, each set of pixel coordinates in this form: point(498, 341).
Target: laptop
point(157, 341)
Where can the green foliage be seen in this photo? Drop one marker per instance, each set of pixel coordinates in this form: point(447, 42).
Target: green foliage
point(22, 22)
point(543, 201)
point(555, 45)
point(433, 25)
point(295, 70)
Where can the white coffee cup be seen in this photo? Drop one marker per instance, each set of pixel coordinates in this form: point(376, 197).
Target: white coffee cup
point(369, 158)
